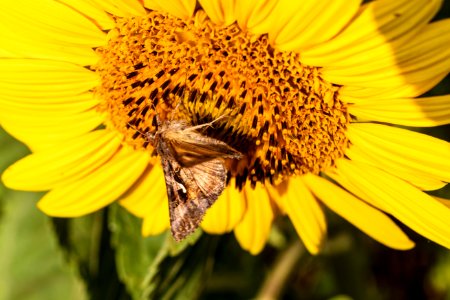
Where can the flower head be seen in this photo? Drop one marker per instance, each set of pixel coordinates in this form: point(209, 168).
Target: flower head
point(308, 92)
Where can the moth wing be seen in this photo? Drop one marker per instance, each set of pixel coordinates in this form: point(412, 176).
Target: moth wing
point(210, 176)
point(203, 184)
point(190, 148)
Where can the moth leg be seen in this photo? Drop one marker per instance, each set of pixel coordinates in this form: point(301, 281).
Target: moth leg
point(158, 121)
point(209, 124)
point(181, 187)
point(150, 137)
point(177, 180)
point(175, 109)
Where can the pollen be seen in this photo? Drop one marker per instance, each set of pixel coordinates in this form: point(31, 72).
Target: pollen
point(279, 113)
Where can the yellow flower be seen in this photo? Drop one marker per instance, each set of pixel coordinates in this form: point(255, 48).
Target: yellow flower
point(309, 91)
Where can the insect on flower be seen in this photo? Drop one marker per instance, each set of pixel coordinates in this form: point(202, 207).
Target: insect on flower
point(194, 171)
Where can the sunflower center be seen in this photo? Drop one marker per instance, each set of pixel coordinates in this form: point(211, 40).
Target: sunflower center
point(279, 113)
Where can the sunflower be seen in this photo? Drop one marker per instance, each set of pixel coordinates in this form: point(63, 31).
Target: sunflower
point(309, 92)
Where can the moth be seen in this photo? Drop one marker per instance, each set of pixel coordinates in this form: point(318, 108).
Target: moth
point(194, 171)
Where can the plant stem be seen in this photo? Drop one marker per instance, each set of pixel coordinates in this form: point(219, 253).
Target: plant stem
point(283, 267)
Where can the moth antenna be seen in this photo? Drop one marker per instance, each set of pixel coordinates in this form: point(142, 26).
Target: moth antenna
point(158, 120)
point(172, 113)
point(134, 127)
point(209, 124)
point(150, 137)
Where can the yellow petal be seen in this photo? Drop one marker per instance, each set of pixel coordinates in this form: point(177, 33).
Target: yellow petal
point(252, 14)
point(306, 214)
point(31, 19)
point(150, 202)
point(20, 46)
point(293, 18)
point(369, 220)
point(408, 90)
point(62, 164)
point(183, 9)
point(446, 202)
point(423, 112)
point(152, 5)
point(379, 23)
point(397, 64)
point(48, 119)
point(282, 12)
point(395, 76)
point(277, 194)
point(221, 12)
point(92, 11)
point(428, 45)
point(147, 192)
point(6, 53)
point(48, 107)
point(121, 8)
point(40, 133)
point(33, 78)
point(315, 24)
point(226, 213)
point(414, 151)
point(253, 230)
point(408, 204)
point(417, 178)
point(157, 221)
point(98, 189)
point(147, 199)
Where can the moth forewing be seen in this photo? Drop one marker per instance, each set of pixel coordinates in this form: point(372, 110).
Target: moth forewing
point(190, 147)
point(204, 184)
point(194, 170)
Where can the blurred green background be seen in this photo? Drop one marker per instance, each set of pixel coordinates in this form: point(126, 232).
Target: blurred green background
point(102, 256)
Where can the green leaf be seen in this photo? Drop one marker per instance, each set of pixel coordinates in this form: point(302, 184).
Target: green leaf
point(182, 276)
point(158, 267)
point(31, 264)
point(80, 238)
point(86, 244)
point(134, 253)
point(175, 248)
